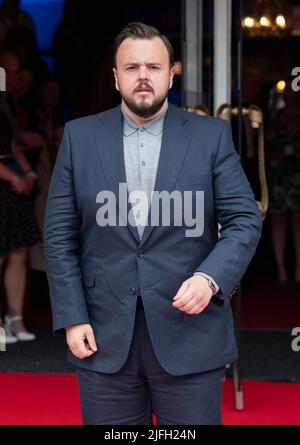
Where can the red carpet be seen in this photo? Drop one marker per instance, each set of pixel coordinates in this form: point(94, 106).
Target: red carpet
point(39, 399)
point(266, 403)
point(52, 399)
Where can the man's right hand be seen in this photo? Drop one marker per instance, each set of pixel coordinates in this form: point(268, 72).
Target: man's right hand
point(81, 340)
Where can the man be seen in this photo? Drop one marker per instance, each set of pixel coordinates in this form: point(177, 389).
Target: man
point(146, 307)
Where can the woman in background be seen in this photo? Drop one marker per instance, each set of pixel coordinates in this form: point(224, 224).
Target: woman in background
point(18, 225)
point(283, 149)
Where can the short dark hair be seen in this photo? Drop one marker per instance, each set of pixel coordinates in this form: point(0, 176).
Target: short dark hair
point(138, 30)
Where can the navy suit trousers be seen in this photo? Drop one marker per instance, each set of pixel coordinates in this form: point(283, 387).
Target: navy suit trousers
point(143, 387)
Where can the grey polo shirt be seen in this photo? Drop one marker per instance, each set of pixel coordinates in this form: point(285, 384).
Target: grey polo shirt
point(142, 144)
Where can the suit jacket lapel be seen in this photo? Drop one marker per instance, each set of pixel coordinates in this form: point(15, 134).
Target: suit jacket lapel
point(175, 141)
point(109, 142)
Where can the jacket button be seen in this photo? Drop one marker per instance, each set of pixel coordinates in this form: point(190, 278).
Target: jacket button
point(141, 255)
point(132, 290)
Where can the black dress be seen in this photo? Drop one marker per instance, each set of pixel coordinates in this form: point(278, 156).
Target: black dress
point(18, 224)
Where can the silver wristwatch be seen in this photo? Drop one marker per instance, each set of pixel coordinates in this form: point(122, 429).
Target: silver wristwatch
point(211, 285)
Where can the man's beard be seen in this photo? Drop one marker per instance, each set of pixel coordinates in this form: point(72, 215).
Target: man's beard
point(144, 109)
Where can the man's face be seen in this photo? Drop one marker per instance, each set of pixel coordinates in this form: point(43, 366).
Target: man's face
point(143, 75)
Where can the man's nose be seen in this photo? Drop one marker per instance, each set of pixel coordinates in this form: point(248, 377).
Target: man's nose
point(143, 72)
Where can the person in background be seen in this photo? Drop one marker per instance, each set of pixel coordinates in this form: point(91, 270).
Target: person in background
point(283, 167)
point(18, 225)
point(49, 119)
point(23, 43)
point(12, 17)
point(70, 52)
point(49, 123)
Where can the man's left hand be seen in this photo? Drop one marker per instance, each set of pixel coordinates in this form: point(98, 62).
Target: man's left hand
point(193, 295)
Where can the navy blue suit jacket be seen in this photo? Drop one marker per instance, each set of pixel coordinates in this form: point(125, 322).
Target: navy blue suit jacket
point(93, 272)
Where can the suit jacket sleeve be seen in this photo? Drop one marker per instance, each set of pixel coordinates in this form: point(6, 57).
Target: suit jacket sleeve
point(238, 214)
point(61, 243)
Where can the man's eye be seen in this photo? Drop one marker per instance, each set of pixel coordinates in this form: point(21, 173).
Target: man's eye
point(154, 67)
point(130, 68)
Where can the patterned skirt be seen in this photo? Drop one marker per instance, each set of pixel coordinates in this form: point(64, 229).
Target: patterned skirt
point(18, 224)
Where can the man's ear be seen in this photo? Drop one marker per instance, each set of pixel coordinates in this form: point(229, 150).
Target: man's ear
point(116, 79)
point(172, 72)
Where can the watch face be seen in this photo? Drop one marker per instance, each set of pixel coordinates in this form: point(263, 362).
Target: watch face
point(212, 286)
